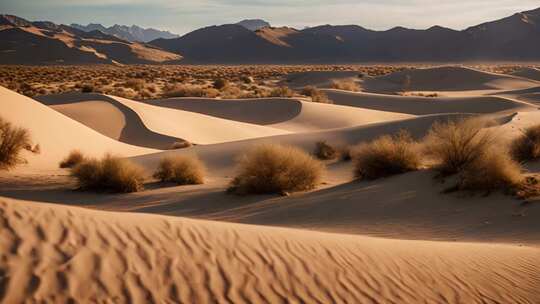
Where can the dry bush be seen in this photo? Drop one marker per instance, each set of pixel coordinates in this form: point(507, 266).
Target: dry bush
point(527, 146)
point(232, 92)
point(180, 145)
point(183, 90)
point(454, 145)
point(282, 91)
point(13, 141)
point(279, 169)
point(492, 171)
point(74, 158)
point(135, 84)
point(324, 151)
point(346, 85)
point(87, 88)
point(386, 156)
point(182, 170)
point(220, 83)
point(315, 94)
point(109, 174)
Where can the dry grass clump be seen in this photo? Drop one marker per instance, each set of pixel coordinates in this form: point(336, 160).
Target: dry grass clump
point(494, 170)
point(527, 146)
point(346, 85)
point(13, 141)
point(74, 158)
point(315, 94)
point(279, 169)
point(282, 91)
point(182, 170)
point(183, 90)
point(454, 145)
point(220, 83)
point(324, 151)
point(386, 156)
point(109, 174)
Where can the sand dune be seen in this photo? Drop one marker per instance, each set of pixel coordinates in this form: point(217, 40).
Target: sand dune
point(57, 134)
point(286, 114)
point(424, 105)
point(154, 126)
point(109, 117)
point(530, 73)
point(446, 78)
point(54, 253)
point(320, 79)
point(220, 158)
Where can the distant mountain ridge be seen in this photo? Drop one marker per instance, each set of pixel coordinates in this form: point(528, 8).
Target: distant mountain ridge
point(130, 33)
point(515, 38)
point(44, 42)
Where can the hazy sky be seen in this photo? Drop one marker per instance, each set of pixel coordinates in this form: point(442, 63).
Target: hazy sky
point(182, 16)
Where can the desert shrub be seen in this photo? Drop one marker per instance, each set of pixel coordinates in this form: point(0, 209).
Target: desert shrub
point(135, 84)
point(13, 141)
point(111, 173)
point(315, 94)
point(386, 156)
point(324, 151)
point(231, 92)
point(182, 170)
point(454, 145)
point(282, 91)
point(346, 85)
point(180, 145)
point(220, 83)
point(494, 170)
point(87, 88)
point(247, 79)
point(74, 158)
point(280, 169)
point(527, 146)
point(182, 90)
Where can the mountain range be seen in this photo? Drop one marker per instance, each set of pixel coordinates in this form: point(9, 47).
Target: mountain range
point(43, 42)
point(130, 33)
point(514, 38)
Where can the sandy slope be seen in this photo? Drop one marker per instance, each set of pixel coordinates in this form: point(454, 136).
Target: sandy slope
point(55, 133)
point(445, 78)
point(286, 114)
point(320, 79)
point(530, 73)
point(152, 126)
point(425, 105)
point(54, 253)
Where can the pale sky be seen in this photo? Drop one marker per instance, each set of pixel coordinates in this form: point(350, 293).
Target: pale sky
point(182, 16)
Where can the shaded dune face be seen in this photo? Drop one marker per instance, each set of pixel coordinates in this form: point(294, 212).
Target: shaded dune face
point(109, 117)
point(254, 111)
point(53, 253)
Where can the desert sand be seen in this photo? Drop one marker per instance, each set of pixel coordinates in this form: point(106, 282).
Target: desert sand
point(393, 240)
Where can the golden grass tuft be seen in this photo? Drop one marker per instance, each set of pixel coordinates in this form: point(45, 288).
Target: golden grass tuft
point(386, 156)
point(454, 145)
point(182, 170)
point(109, 174)
point(527, 146)
point(346, 85)
point(13, 141)
point(74, 158)
point(325, 151)
point(270, 168)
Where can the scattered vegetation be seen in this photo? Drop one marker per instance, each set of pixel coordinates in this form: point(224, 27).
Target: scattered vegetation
point(315, 94)
point(181, 170)
point(346, 85)
point(220, 83)
point(324, 151)
point(109, 174)
point(276, 169)
point(282, 91)
point(454, 145)
point(74, 158)
point(527, 146)
point(386, 156)
point(13, 141)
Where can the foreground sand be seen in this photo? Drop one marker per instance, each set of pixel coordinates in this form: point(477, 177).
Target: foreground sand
point(55, 253)
point(393, 240)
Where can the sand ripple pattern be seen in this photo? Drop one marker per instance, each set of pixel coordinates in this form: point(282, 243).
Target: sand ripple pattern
point(62, 254)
